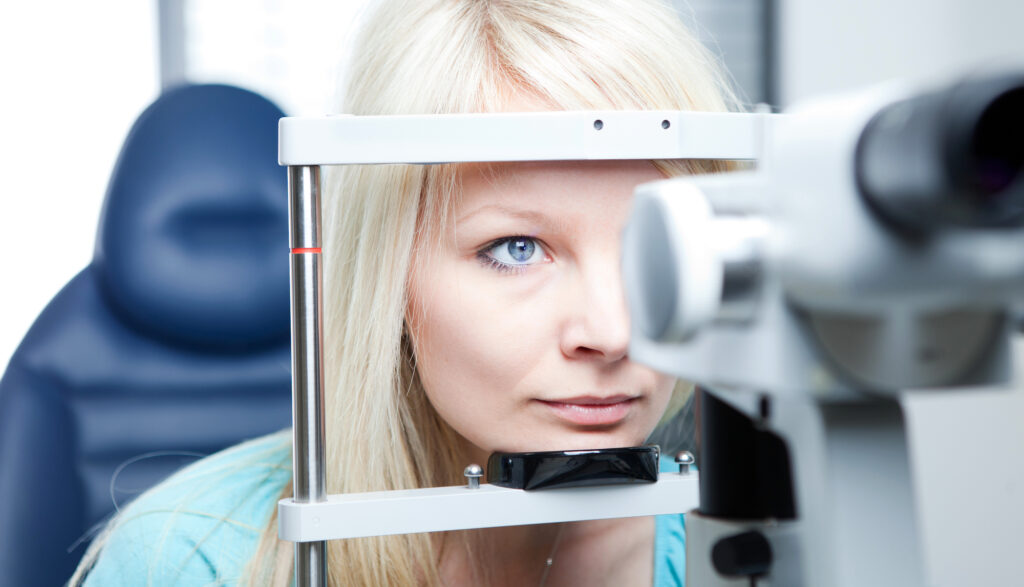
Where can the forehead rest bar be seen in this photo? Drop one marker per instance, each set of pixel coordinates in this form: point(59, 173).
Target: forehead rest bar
point(519, 136)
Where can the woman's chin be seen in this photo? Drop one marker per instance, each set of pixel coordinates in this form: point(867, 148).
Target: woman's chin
point(573, 440)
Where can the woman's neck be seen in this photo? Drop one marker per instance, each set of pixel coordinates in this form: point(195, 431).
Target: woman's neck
point(596, 552)
point(512, 555)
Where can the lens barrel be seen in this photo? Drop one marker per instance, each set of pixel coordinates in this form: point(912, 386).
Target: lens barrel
point(948, 158)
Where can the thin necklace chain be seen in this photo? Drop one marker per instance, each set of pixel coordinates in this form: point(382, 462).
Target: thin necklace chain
point(550, 560)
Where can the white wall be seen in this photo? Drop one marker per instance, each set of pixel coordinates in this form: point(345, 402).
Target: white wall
point(75, 77)
point(287, 50)
point(836, 45)
point(967, 446)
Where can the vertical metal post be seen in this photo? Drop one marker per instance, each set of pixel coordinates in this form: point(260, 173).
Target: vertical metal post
point(171, 25)
point(307, 368)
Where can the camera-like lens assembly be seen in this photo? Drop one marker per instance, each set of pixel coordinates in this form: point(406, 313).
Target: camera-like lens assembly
point(953, 157)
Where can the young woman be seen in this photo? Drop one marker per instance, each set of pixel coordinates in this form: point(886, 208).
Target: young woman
point(469, 309)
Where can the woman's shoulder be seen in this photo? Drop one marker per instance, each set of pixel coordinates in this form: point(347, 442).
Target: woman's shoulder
point(669, 550)
point(669, 541)
point(201, 524)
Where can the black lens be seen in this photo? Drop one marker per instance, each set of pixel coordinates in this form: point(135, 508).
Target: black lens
point(947, 158)
point(998, 145)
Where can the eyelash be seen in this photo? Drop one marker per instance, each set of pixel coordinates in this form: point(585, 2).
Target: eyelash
point(501, 267)
point(492, 263)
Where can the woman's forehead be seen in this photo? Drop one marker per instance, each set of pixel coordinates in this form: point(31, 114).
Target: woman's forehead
point(506, 187)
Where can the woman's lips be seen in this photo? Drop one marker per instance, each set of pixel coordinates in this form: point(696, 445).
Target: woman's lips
point(592, 411)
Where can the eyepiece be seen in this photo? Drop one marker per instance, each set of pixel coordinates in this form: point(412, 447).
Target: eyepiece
point(953, 157)
point(997, 146)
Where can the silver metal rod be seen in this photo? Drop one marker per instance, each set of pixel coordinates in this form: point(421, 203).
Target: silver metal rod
point(310, 564)
point(307, 367)
point(307, 379)
point(304, 206)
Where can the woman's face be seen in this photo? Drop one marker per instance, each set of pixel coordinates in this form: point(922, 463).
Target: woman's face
point(519, 321)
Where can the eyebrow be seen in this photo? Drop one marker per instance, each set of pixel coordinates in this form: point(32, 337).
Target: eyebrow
point(520, 213)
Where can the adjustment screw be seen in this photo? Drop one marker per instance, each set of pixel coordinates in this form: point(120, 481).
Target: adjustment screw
point(473, 474)
point(684, 459)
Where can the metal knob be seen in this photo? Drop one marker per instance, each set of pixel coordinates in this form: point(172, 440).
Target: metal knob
point(473, 474)
point(684, 459)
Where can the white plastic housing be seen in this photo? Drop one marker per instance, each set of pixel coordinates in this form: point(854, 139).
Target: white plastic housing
point(381, 513)
point(673, 275)
point(519, 136)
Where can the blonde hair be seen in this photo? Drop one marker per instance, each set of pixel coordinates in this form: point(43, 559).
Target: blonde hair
point(451, 56)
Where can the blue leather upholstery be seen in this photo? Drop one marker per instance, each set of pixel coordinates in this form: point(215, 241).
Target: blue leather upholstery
point(173, 341)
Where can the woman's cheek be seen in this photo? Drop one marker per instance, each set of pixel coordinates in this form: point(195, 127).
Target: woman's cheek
point(465, 341)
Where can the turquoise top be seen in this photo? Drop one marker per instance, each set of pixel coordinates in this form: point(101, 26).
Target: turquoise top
point(179, 533)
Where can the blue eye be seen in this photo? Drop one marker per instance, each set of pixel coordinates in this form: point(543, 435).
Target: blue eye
point(521, 249)
point(512, 253)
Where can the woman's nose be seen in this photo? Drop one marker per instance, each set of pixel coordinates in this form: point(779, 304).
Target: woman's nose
point(597, 324)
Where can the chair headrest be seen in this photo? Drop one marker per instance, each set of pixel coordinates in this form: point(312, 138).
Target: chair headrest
point(193, 238)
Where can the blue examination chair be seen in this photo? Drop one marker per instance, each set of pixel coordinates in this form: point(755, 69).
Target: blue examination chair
point(174, 341)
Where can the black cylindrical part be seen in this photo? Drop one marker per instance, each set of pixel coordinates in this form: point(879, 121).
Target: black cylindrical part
point(744, 470)
point(747, 554)
point(947, 158)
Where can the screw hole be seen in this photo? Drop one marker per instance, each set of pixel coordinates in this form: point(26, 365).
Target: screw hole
point(665, 124)
point(598, 124)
